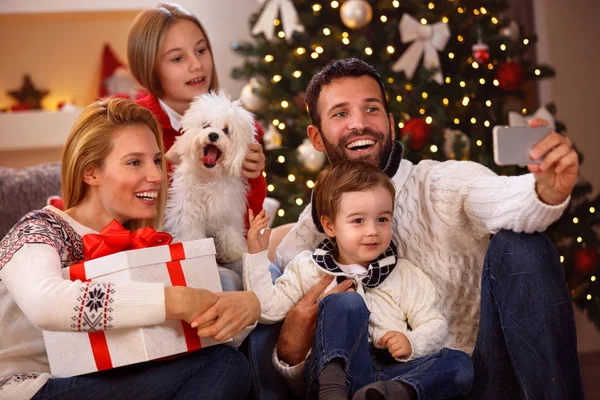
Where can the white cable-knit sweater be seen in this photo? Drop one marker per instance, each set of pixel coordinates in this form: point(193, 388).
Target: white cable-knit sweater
point(406, 296)
point(34, 296)
point(444, 214)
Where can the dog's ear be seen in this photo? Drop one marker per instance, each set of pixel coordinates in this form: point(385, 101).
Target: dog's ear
point(180, 149)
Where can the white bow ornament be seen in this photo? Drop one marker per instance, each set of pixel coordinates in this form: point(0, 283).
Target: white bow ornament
point(427, 41)
point(517, 119)
point(289, 19)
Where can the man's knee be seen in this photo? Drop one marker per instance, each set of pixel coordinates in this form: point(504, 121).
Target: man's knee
point(524, 253)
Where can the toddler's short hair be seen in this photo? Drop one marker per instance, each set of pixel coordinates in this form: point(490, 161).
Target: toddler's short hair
point(344, 177)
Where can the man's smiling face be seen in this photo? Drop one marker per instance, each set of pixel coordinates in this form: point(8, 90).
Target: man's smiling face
point(354, 122)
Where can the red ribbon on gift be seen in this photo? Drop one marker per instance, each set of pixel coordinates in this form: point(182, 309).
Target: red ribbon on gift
point(115, 238)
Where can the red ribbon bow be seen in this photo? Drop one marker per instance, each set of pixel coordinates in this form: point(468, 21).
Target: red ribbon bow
point(114, 238)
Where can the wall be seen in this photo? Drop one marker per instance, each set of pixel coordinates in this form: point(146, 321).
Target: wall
point(569, 42)
point(61, 49)
point(59, 43)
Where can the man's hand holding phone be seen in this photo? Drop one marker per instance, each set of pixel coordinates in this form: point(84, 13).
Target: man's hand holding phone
point(548, 155)
point(556, 175)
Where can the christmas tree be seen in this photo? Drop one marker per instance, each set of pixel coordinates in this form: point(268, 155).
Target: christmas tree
point(454, 70)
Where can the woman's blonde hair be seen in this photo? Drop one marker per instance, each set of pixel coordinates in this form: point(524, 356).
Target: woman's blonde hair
point(91, 141)
point(145, 40)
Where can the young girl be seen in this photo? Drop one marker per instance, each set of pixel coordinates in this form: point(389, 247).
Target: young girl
point(170, 55)
point(112, 168)
point(385, 339)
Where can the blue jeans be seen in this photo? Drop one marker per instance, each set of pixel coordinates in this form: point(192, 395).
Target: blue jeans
point(230, 280)
point(526, 344)
point(342, 333)
point(267, 383)
point(216, 373)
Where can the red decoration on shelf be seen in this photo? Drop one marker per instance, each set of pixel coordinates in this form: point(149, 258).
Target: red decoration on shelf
point(115, 80)
point(481, 52)
point(510, 76)
point(19, 107)
point(419, 132)
point(586, 261)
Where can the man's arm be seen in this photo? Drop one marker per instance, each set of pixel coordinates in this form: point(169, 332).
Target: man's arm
point(298, 330)
point(468, 194)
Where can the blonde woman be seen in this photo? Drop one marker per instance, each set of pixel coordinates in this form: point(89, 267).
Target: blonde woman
point(112, 168)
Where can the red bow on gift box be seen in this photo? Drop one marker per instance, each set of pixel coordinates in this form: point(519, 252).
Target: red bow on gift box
point(114, 238)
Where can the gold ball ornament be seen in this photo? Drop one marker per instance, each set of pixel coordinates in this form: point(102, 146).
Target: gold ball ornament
point(250, 96)
point(272, 138)
point(356, 14)
point(311, 159)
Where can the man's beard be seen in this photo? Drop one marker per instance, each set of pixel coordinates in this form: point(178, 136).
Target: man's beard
point(380, 158)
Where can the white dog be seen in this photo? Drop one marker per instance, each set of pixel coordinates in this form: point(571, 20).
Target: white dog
point(207, 197)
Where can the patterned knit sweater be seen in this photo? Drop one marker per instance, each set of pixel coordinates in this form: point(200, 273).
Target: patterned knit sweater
point(34, 296)
point(444, 214)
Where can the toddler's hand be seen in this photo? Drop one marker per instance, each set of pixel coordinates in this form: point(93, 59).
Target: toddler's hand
point(397, 344)
point(254, 162)
point(257, 241)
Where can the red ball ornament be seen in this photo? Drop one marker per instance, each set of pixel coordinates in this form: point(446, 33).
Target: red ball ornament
point(510, 76)
point(419, 132)
point(586, 261)
point(481, 52)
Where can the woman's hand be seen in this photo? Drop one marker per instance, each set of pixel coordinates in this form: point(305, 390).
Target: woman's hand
point(232, 312)
point(257, 241)
point(187, 303)
point(254, 162)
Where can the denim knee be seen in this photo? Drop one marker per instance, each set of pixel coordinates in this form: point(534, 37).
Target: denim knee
point(230, 281)
point(238, 372)
point(511, 252)
point(349, 302)
point(465, 372)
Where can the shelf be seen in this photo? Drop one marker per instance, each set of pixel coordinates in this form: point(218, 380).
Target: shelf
point(45, 6)
point(35, 129)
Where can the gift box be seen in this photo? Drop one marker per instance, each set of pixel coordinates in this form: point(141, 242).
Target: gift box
point(191, 264)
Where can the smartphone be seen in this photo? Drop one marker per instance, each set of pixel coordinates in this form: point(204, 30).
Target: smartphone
point(512, 144)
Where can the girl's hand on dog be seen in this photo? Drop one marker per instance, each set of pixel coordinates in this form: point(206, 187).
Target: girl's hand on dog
point(397, 344)
point(254, 163)
point(258, 241)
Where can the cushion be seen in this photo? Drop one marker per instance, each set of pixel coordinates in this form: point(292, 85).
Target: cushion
point(25, 189)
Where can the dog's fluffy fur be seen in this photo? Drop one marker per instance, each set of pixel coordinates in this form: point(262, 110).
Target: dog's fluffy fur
point(207, 197)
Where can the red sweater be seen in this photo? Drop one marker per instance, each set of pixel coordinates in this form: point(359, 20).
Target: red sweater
point(258, 186)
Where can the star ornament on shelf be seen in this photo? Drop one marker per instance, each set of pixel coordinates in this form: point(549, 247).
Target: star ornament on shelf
point(29, 95)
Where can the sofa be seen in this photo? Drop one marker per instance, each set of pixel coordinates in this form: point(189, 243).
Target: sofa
point(25, 189)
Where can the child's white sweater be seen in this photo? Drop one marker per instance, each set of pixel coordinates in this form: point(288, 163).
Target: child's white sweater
point(406, 296)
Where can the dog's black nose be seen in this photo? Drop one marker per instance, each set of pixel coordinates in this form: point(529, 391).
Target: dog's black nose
point(213, 136)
